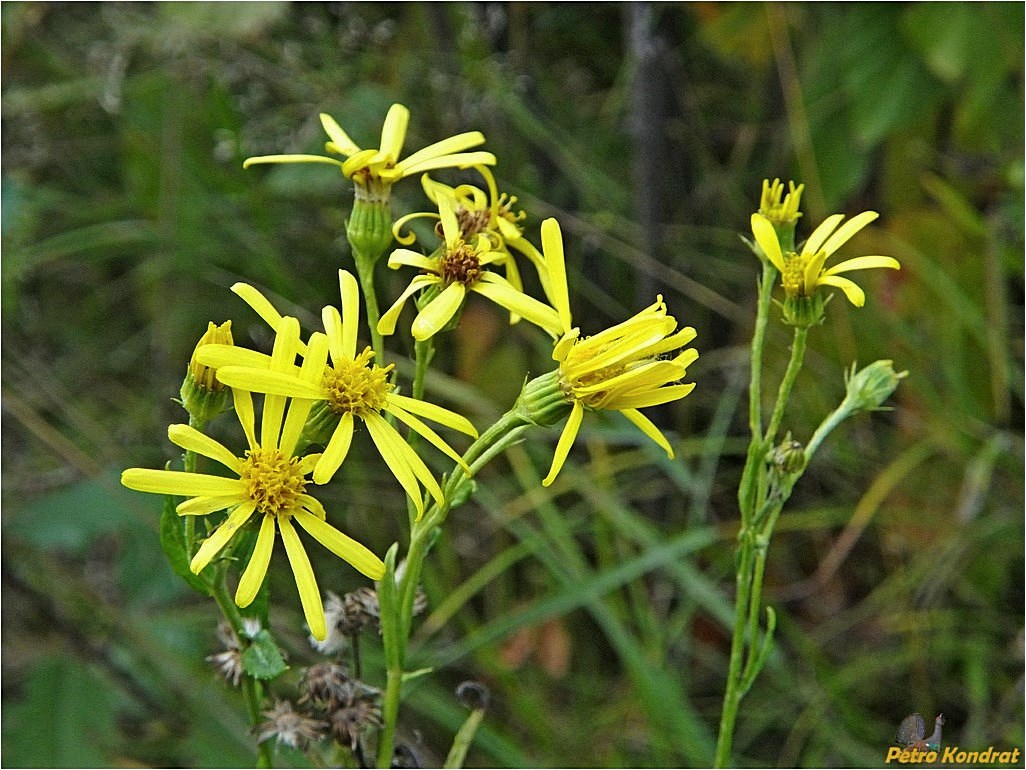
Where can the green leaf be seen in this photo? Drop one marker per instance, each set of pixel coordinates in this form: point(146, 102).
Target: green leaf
point(262, 659)
point(172, 540)
point(68, 718)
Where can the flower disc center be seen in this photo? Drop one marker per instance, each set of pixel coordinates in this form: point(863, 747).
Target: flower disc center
point(460, 265)
point(272, 480)
point(358, 386)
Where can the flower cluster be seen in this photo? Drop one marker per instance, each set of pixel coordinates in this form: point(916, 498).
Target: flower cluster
point(319, 392)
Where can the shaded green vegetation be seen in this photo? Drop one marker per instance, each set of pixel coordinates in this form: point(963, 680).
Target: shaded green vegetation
point(598, 610)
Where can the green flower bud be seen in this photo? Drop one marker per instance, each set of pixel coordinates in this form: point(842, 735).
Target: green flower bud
point(789, 456)
point(320, 425)
point(543, 401)
point(803, 312)
point(203, 397)
point(869, 387)
point(370, 228)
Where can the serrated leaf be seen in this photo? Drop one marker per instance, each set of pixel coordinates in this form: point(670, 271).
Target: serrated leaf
point(172, 540)
point(262, 659)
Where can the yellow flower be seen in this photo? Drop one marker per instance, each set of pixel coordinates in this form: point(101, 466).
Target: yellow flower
point(269, 483)
point(801, 274)
point(352, 387)
point(781, 210)
point(623, 368)
point(203, 397)
point(458, 267)
point(374, 171)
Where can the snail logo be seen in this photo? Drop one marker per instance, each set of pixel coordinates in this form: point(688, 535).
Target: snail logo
point(914, 748)
point(913, 728)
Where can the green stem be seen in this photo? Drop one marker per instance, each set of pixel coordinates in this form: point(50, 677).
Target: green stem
point(732, 695)
point(252, 690)
point(396, 630)
point(464, 737)
point(784, 393)
point(365, 273)
point(769, 275)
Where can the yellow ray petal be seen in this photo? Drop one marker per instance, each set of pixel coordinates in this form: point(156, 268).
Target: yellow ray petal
point(201, 506)
point(335, 452)
point(498, 290)
point(253, 577)
point(343, 546)
point(403, 416)
point(552, 246)
point(268, 381)
point(391, 447)
point(393, 132)
point(339, 138)
point(566, 440)
point(387, 322)
point(457, 160)
point(191, 439)
point(243, 401)
point(434, 412)
point(219, 537)
point(438, 312)
point(215, 356)
point(289, 159)
point(309, 595)
point(855, 295)
point(260, 304)
point(767, 239)
point(448, 146)
point(649, 429)
point(821, 233)
point(864, 263)
point(312, 371)
point(179, 483)
point(349, 291)
point(847, 230)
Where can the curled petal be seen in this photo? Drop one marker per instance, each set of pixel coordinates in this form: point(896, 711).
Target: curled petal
point(855, 295)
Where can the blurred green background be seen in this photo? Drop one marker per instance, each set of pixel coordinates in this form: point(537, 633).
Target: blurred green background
point(598, 610)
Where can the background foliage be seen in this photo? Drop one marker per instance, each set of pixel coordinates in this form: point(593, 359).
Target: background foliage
point(598, 610)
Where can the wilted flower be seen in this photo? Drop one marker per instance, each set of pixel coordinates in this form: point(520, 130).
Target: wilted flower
point(289, 727)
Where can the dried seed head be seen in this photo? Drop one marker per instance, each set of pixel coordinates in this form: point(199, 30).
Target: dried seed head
point(327, 682)
point(289, 727)
point(351, 720)
point(474, 695)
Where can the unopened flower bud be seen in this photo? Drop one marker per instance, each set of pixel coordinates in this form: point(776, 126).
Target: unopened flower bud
point(543, 401)
point(781, 210)
point(203, 397)
point(789, 456)
point(870, 386)
point(804, 312)
point(370, 226)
